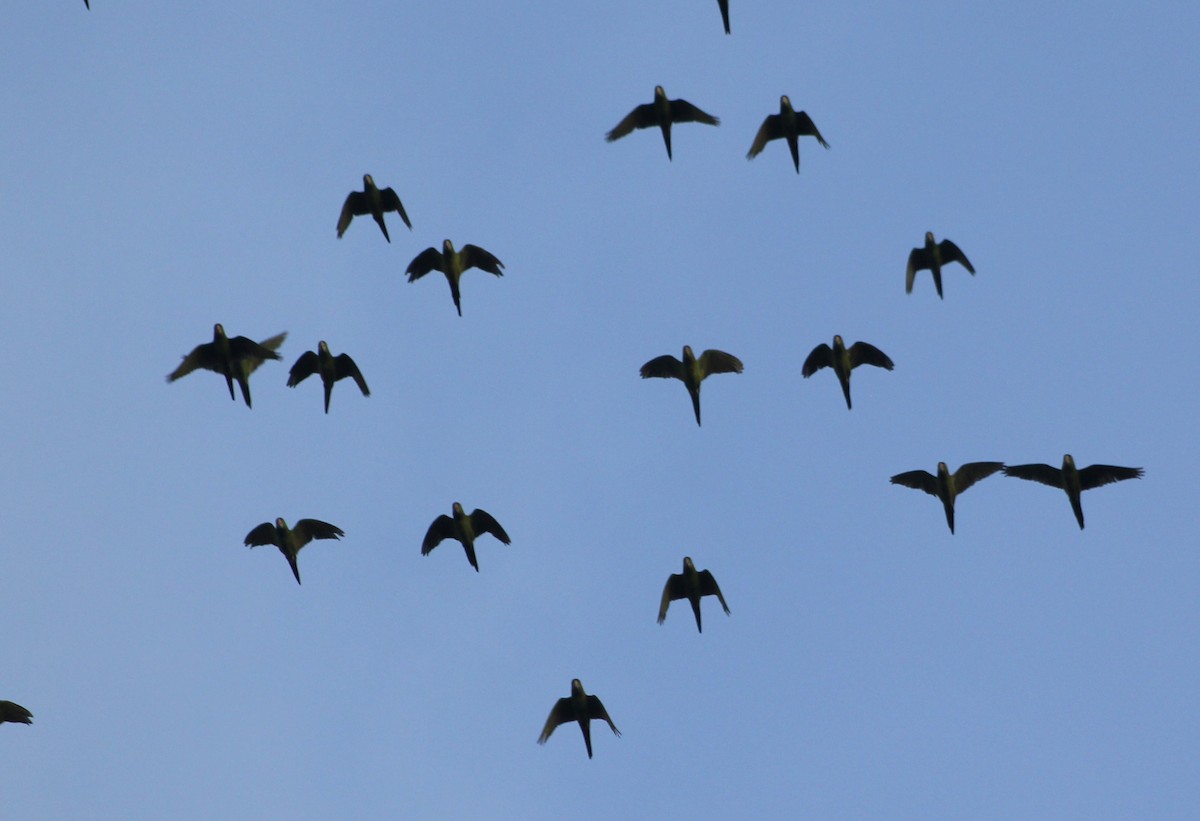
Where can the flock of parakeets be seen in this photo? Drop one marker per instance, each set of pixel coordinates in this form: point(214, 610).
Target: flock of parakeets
point(237, 358)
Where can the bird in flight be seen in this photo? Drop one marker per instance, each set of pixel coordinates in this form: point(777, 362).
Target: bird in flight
point(11, 711)
point(724, 4)
point(690, 585)
point(789, 125)
point(581, 707)
point(662, 112)
point(1073, 480)
point(332, 368)
point(462, 528)
point(843, 360)
point(374, 201)
point(290, 540)
point(692, 371)
point(235, 359)
point(933, 256)
point(452, 263)
point(946, 485)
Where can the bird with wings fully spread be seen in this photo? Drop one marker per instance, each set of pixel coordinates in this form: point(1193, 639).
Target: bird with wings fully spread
point(1073, 480)
point(789, 125)
point(463, 529)
point(234, 358)
point(843, 360)
point(933, 256)
point(662, 113)
point(374, 201)
point(946, 485)
point(330, 367)
point(290, 540)
point(691, 585)
point(452, 263)
point(691, 371)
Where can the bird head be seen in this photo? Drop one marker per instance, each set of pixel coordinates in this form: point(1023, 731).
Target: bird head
point(942, 469)
point(659, 93)
point(367, 181)
point(576, 687)
point(281, 524)
point(929, 238)
point(447, 247)
point(1068, 461)
point(458, 509)
point(784, 102)
point(323, 346)
point(688, 356)
point(687, 564)
point(218, 331)
point(838, 342)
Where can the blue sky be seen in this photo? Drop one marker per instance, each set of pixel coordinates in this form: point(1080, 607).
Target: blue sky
point(163, 168)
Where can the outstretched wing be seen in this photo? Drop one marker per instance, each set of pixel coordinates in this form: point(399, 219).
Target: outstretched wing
point(442, 528)
point(344, 366)
point(308, 529)
point(684, 112)
point(560, 714)
point(428, 260)
point(1099, 475)
point(483, 522)
point(256, 353)
point(305, 367)
point(665, 366)
point(805, 125)
point(917, 260)
point(672, 590)
point(918, 480)
point(771, 129)
point(475, 257)
point(596, 710)
point(391, 202)
point(11, 711)
point(708, 587)
point(820, 357)
point(952, 253)
point(641, 117)
point(1045, 474)
point(862, 353)
point(972, 472)
point(262, 535)
point(354, 206)
point(714, 361)
point(202, 356)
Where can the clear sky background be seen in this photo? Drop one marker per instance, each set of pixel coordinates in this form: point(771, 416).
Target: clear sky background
point(166, 166)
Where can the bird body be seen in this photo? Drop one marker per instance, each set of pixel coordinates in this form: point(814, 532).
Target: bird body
point(933, 256)
point(581, 707)
point(235, 359)
point(946, 485)
point(788, 124)
point(692, 371)
point(662, 113)
point(691, 585)
point(843, 360)
point(463, 529)
point(452, 263)
point(1072, 480)
point(374, 201)
point(290, 540)
point(330, 367)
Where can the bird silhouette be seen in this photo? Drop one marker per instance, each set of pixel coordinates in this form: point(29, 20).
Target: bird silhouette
point(662, 112)
point(933, 256)
point(843, 360)
point(290, 540)
point(692, 371)
point(690, 585)
point(452, 263)
point(581, 707)
point(1073, 480)
point(724, 5)
point(234, 358)
point(464, 529)
point(11, 711)
point(789, 125)
point(374, 201)
point(946, 485)
point(330, 367)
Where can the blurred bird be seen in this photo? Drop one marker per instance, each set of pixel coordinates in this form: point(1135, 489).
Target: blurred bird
point(11, 711)
point(89, 5)
point(933, 256)
point(332, 368)
point(463, 528)
point(662, 112)
point(692, 371)
point(843, 360)
point(690, 585)
point(374, 201)
point(946, 486)
point(290, 540)
point(452, 263)
point(724, 4)
point(578, 707)
point(789, 125)
point(1073, 480)
point(235, 359)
